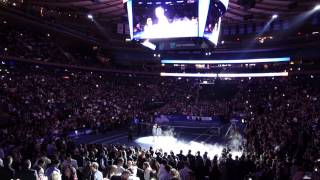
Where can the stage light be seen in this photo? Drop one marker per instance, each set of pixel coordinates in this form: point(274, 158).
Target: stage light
point(148, 44)
point(90, 16)
point(317, 7)
point(275, 16)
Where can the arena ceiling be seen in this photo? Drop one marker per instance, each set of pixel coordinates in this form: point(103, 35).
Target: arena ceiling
point(113, 10)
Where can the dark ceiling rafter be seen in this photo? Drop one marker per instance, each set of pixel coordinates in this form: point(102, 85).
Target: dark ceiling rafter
point(114, 9)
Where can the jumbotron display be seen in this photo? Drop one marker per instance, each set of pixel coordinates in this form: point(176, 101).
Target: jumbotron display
point(165, 20)
point(157, 19)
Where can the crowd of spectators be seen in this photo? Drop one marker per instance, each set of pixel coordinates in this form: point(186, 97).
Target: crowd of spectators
point(45, 103)
point(25, 44)
point(45, 47)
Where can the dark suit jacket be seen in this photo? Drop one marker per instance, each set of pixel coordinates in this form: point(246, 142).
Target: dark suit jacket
point(7, 173)
point(27, 174)
point(115, 178)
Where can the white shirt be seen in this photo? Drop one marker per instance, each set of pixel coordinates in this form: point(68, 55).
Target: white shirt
point(159, 131)
point(98, 175)
point(147, 173)
point(154, 130)
point(134, 170)
point(119, 170)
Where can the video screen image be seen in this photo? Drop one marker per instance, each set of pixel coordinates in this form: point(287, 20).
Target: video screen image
point(213, 26)
point(165, 19)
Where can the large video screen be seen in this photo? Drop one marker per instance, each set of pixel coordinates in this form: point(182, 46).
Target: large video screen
point(165, 19)
point(157, 19)
point(213, 24)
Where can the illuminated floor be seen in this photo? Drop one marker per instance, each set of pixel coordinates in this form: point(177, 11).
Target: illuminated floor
point(169, 143)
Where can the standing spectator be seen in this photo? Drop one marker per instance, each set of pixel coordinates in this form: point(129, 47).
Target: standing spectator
point(164, 172)
point(199, 166)
point(69, 173)
point(207, 164)
point(54, 167)
point(132, 168)
point(7, 172)
point(186, 173)
point(147, 171)
point(95, 173)
point(40, 167)
point(70, 162)
point(26, 172)
point(174, 174)
point(120, 168)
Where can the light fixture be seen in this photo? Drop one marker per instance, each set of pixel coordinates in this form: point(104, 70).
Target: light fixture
point(90, 16)
point(317, 7)
point(275, 16)
point(148, 44)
